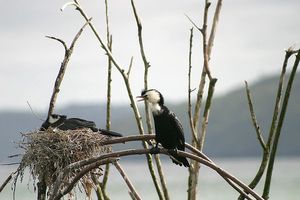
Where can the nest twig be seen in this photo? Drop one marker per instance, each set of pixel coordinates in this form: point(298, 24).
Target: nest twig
point(48, 152)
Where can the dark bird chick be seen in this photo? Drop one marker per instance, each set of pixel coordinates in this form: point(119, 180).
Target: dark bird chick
point(63, 123)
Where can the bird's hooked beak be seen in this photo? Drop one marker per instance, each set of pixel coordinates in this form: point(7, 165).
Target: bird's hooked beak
point(140, 98)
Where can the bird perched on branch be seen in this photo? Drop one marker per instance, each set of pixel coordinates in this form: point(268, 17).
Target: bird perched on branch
point(168, 129)
point(63, 123)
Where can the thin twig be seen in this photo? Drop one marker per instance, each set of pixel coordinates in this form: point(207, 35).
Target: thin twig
point(130, 66)
point(127, 180)
point(207, 108)
point(108, 102)
point(59, 78)
point(278, 99)
point(214, 28)
point(198, 102)
point(7, 180)
point(204, 40)
point(279, 126)
point(253, 117)
point(34, 113)
point(189, 88)
point(193, 23)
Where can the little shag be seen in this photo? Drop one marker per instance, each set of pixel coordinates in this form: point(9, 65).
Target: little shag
point(168, 129)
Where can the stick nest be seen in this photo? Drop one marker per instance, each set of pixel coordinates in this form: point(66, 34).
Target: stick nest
point(47, 153)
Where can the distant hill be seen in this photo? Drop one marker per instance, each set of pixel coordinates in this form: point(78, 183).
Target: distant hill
point(230, 131)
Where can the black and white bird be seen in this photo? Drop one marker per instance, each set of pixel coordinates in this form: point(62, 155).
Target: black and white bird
point(168, 129)
point(61, 122)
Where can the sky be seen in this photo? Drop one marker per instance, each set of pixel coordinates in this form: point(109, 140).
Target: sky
point(250, 41)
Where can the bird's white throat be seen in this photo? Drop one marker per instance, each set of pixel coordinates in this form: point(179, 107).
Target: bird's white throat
point(155, 108)
point(52, 119)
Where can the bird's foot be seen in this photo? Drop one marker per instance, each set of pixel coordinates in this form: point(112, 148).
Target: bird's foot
point(172, 151)
point(151, 143)
point(154, 150)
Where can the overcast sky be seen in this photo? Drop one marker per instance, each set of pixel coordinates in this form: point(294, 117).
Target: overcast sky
point(250, 42)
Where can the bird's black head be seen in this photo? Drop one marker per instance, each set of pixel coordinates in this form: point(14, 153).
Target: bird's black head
point(153, 96)
point(51, 120)
point(55, 117)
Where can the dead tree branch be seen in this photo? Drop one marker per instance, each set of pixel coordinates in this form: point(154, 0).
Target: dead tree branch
point(108, 100)
point(59, 78)
point(207, 44)
point(207, 108)
point(268, 145)
point(59, 193)
point(190, 90)
point(279, 126)
point(126, 179)
point(7, 180)
point(128, 152)
point(253, 117)
point(214, 28)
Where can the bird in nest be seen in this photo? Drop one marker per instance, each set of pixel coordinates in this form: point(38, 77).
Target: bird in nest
point(63, 123)
point(168, 129)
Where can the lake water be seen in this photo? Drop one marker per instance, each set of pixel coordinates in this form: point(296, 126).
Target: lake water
point(285, 182)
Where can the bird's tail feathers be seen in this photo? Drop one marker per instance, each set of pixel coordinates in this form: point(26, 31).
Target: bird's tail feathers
point(179, 160)
point(110, 133)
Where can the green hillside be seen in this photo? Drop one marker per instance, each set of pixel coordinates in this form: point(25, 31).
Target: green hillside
point(230, 131)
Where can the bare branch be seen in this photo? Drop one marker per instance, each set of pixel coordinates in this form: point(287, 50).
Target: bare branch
point(161, 177)
point(128, 139)
point(130, 66)
point(189, 88)
point(68, 4)
point(206, 48)
point(128, 152)
point(194, 24)
point(266, 154)
point(207, 110)
point(202, 155)
point(279, 125)
point(7, 180)
point(204, 40)
point(126, 179)
point(278, 99)
point(58, 194)
point(108, 102)
point(214, 28)
point(59, 40)
point(198, 103)
point(59, 78)
point(253, 117)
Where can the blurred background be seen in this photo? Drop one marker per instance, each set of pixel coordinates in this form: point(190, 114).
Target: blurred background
point(250, 44)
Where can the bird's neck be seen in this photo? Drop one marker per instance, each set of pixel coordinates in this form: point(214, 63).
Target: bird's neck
point(156, 108)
